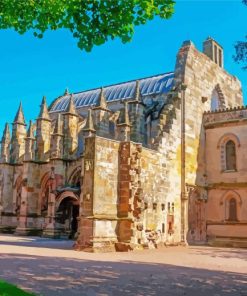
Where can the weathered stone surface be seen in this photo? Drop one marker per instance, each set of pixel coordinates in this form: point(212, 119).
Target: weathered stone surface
point(150, 173)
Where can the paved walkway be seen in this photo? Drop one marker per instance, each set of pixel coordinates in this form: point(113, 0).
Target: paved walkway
point(49, 267)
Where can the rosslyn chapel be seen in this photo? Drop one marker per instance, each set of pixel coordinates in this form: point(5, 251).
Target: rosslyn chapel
point(139, 164)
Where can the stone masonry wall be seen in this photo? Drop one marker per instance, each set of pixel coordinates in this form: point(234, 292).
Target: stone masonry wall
point(202, 76)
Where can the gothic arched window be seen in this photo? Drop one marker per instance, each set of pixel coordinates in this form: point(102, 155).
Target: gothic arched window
point(232, 210)
point(230, 155)
point(45, 198)
point(215, 102)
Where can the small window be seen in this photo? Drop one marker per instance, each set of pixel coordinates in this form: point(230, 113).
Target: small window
point(232, 210)
point(230, 156)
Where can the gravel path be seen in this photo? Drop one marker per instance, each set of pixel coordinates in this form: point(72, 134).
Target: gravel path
point(49, 267)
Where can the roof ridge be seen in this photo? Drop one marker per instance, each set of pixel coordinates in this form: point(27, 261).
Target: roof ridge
point(119, 83)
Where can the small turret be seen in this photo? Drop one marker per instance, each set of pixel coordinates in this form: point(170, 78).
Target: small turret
point(70, 131)
point(5, 144)
point(17, 150)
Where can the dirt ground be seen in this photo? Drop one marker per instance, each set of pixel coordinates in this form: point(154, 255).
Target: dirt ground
point(49, 267)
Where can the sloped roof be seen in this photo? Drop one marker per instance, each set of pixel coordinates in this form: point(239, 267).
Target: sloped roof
point(157, 84)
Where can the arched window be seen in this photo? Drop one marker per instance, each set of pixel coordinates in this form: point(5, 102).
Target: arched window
point(45, 198)
point(215, 102)
point(75, 179)
point(232, 210)
point(230, 156)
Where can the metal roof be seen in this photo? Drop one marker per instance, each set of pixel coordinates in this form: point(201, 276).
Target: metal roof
point(153, 85)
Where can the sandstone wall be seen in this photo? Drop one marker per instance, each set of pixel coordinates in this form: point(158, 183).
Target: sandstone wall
point(202, 76)
point(161, 199)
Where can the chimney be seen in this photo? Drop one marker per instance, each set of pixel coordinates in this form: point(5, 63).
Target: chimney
point(214, 51)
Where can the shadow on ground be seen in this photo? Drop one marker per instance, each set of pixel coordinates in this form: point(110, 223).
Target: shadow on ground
point(34, 241)
point(61, 276)
point(221, 252)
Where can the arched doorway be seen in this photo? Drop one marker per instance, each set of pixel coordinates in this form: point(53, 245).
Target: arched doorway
point(67, 213)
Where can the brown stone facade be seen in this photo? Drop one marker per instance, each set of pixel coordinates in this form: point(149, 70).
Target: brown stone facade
point(147, 167)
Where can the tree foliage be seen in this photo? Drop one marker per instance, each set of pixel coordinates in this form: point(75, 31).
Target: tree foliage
point(92, 22)
point(241, 49)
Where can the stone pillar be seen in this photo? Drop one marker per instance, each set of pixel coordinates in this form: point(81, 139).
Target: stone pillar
point(87, 222)
point(22, 228)
point(50, 230)
point(130, 197)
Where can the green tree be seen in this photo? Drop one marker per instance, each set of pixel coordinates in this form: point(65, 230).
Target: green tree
point(92, 22)
point(241, 49)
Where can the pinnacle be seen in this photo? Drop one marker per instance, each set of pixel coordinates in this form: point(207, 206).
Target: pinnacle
point(19, 117)
point(124, 120)
point(137, 90)
point(71, 106)
point(6, 133)
point(101, 103)
point(30, 130)
point(89, 124)
point(44, 114)
point(137, 94)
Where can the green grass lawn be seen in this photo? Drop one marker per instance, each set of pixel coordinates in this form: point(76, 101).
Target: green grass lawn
point(7, 289)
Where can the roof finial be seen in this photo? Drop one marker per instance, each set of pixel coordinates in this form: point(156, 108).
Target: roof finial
point(44, 114)
point(66, 92)
point(19, 117)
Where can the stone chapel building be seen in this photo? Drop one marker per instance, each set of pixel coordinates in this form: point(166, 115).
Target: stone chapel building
point(159, 160)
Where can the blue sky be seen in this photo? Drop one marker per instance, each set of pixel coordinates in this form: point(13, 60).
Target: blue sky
point(31, 68)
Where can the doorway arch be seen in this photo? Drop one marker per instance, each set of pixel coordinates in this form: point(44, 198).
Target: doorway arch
point(67, 212)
